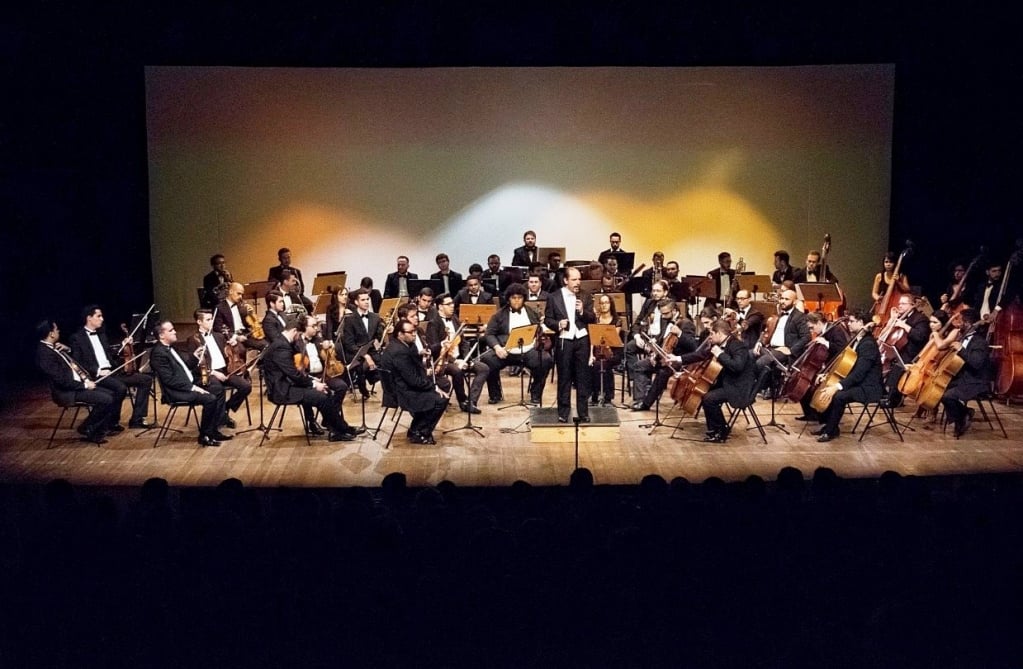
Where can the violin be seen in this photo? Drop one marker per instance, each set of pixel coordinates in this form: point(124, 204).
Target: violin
point(255, 327)
point(235, 354)
point(200, 355)
point(128, 351)
point(446, 354)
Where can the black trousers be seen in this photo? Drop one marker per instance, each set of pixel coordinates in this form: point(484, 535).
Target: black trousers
point(573, 359)
point(212, 403)
point(102, 402)
point(118, 385)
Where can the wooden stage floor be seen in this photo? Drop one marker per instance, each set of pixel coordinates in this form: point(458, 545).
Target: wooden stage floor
point(503, 455)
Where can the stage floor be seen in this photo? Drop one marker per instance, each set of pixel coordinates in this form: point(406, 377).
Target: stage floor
point(501, 456)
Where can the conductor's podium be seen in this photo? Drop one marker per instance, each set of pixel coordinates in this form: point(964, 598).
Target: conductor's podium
point(545, 428)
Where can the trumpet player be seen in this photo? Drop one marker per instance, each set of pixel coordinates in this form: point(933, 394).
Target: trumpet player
point(210, 350)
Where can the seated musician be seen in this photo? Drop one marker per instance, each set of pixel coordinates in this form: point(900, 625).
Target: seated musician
point(273, 319)
point(473, 293)
point(89, 347)
point(862, 384)
point(409, 314)
point(215, 356)
point(337, 310)
point(291, 288)
point(955, 294)
point(359, 329)
point(309, 346)
point(887, 277)
point(424, 304)
point(416, 391)
point(375, 298)
point(603, 359)
point(286, 383)
point(652, 374)
point(503, 353)
point(787, 336)
point(179, 380)
point(554, 271)
point(70, 383)
point(396, 283)
point(834, 338)
point(751, 322)
point(906, 331)
point(611, 267)
point(647, 322)
point(439, 332)
point(535, 288)
point(494, 273)
point(734, 382)
point(782, 269)
point(974, 379)
point(215, 283)
point(231, 316)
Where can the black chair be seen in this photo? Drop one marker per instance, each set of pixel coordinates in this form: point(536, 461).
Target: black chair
point(278, 415)
point(747, 410)
point(172, 410)
point(389, 401)
point(64, 408)
point(988, 397)
point(870, 409)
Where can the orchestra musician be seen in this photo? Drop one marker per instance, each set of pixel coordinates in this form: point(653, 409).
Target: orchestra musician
point(494, 273)
point(973, 379)
point(276, 274)
point(651, 377)
point(503, 353)
point(439, 331)
point(215, 283)
point(452, 280)
point(554, 271)
point(291, 288)
point(985, 296)
point(215, 356)
point(733, 384)
point(273, 319)
point(723, 275)
point(527, 254)
point(286, 383)
point(885, 278)
point(534, 288)
point(231, 317)
point(953, 297)
point(69, 383)
point(616, 247)
point(308, 344)
point(750, 321)
point(472, 293)
point(396, 283)
point(180, 384)
point(862, 384)
point(361, 328)
point(603, 359)
point(375, 298)
point(337, 310)
point(915, 328)
point(790, 334)
point(654, 273)
point(424, 305)
point(568, 312)
point(782, 270)
point(89, 347)
point(811, 272)
point(835, 339)
point(409, 314)
point(648, 322)
point(415, 389)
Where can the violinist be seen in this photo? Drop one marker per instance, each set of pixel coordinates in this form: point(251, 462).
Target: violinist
point(834, 339)
point(886, 277)
point(526, 354)
point(751, 322)
point(862, 384)
point(212, 347)
point(307, 346)
point(439, 333)
point(233, 315)
point(786, 335)
point(603, 359)
point(811, 273)
point(680, 341)
point(974, 377)
point(70, 383)
point(273, 319)
point(361, 328)
point(415, 389)
point(734, 383)
point(408, 313)
point(216, 282)
point(284, 263)
point(90, 348)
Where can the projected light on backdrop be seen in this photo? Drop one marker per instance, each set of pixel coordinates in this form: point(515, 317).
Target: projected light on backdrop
point(350, 168)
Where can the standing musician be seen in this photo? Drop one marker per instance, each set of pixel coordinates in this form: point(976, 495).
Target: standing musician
point(291, 288)
point(439, 332)
point(603, 359)
point(787, 335)
point(953, 295)
point(648, 322)
point(493, 272)
point(616, 247)
point(287, 384)
point(568, 313)
point(70, 383)
point(273, 319)
point(90, 348)
point(179, 383)
point(233, 315)
point(277, 273)
point(359, 329)
point(782, 269)
point(734, 383)
point(452, 280)
point(834, 338)
point(215, 283)
point(396, 283)
point(416, 390)
point(723, 275)
point(862, 384)
point(974, 377)
point(503, 352)
point(652, 375)
point(527, 254)
point(308, 347)
point(811, 273)
point(214, 355)
point(886, 277)
point(985, 296)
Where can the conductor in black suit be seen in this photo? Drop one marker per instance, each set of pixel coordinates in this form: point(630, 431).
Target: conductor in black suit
point(179, 384)
point(569, 311)
point(863, 382)
point(396, 283)
point(69, 383)
point(734, 383)
point(417, 393)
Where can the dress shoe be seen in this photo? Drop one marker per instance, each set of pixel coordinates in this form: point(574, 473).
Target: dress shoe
point(584, 419)
point(427, 439)
point(229, 423)
point(141, 425)
point(818, 432)
point(562, 419)
point(94, 437)
point(208, 441)
point(341, 436)
point(825, 437)
point(806, 419)
point(314, 429)
point(496, 400)
point(350, 429)
point(220, 436)
point(640, 406)
point(114, 429)
point(714, 438)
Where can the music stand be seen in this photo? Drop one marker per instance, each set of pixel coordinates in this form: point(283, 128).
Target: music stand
point(476, 314)
point(626, 260)
point(327, 280)
point(604, 335)
point(359, 355)
point(322, 304)
point(416, 285)
point(591, 286)
point(699, 286)
point(387, 308)
point(618, 300)
point(256, 291)
point(522, 336)
point(514, 274)
point(754, 283)
point(819, 293)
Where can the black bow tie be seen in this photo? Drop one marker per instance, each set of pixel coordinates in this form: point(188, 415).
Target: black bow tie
point(92, 333)
point(786, 312)
point(515, 311)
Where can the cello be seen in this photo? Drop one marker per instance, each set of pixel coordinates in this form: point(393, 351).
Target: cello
point(1005, 335)
point(806, 368)
point(922, 369)
point(957, 291)
point(882, 309)
point(835, 372)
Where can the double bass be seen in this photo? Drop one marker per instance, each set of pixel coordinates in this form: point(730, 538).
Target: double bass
point(832, 309)
point(882, 309)
point(957, 291)
point(1005, 335)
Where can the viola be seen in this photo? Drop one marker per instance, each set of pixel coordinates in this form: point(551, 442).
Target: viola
point(235, 354)
point(255, 327)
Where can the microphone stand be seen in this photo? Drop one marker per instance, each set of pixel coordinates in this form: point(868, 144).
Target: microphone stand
point(576, 420)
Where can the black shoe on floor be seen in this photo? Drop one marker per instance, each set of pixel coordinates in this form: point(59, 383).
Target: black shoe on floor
point(640, 406)
point(584, 419)
point(818, 432)
point(496, 400)
point(824, 438)
point(208, 441)
point(315, 430)
point(714, 438)
point(228, 422)
point(351, 429)
point(115, 429)
point(806, 419)
point(220, 436)
point(141, 425)
point(340, 436)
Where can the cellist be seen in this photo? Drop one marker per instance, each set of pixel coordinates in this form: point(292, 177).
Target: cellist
point(863, 383)
point(834, 338)
point(974, 377)
point(734, 383)
point(907, 332)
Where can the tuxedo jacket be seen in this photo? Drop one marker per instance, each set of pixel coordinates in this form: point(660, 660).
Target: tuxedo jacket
point(84, 355)
point(415, 390)
point(223, 317)
point(916, 338)
point(455, 281)
point(221, 341)
point(520, 256)
point(715, 274)
point(797, 332)
point(738, 374)
point(274, 274)
point(436, 332)
point(557, 311)
point(463, 298)
point(500, 325)
point(866, 372)
point(354, 334)
point(974, 378)
point(63, 385)
point(799, 276)
point(172, 377)
point(280, 371)
point(272, 325)
point(542, 296)
point(391, 283)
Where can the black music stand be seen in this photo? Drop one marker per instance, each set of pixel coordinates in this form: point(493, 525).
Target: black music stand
point(785, 371)
point(819, 293)
point(467, 374)
point(699, 286)
point(521, 334)
point(361, 353)
point(626, 260)
point(754, 283)
point(256, 291)
point(416, 285)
